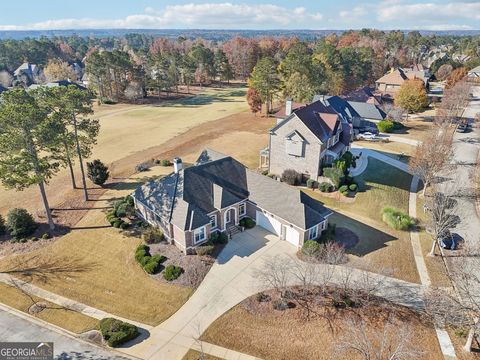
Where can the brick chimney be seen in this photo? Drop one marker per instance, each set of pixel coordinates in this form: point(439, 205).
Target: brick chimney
point(177, 165)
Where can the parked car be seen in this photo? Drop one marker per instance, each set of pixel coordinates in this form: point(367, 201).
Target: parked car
point(367, 136)
point(462, 128)
point(448, 241)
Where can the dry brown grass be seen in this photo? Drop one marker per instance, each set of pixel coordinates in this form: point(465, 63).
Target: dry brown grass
point(131, 132)
point(380, 248)
point(272, 334)
point(435, 266)
point(195, 355)
point(392, 148)
point(101, 270)
point(64, 318)
point(417, 128)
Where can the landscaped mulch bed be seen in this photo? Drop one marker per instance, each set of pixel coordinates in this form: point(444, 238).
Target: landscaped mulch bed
point(195, 267)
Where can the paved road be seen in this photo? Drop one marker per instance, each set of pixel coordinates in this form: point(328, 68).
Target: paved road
point(466, 147)
point(14, 328)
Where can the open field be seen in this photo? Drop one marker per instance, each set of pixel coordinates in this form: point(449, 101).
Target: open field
point(259, 330)
point(64, 318)
point(380, 247)
point(126, 132)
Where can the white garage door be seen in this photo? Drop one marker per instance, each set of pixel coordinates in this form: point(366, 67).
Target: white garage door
point(292, 236)
point(267, 222)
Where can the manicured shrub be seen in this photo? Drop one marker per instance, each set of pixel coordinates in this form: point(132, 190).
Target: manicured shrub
point(311, 248)
point(97, 172)
point(166, 163)
point(336, 175)
point(20, 223)
point(3, 228)
point(118, 223)
point(311, 184)
point(153, 235)
point(172, 272)
point(150, 264)
point(348, 180)
point(325, 187)
point(247, 223)
point(261, 297)
point(386, 126)
point(218, 238)
point(291, 177)
point(397, 219)
point(265, 172)
point(45, 236)
point(116, 332)
point(353, 187)
point(343, 189)
point(206, 249)
point(124, 225)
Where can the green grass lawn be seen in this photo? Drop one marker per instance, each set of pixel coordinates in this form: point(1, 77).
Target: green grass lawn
point(380, 247)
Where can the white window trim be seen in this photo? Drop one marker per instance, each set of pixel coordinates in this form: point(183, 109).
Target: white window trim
point(214, 222)
point(228, 217)
point(197, 231)
point(310, 231)
point(240, 211)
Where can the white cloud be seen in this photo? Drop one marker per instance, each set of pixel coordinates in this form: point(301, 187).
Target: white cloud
point(428, 12)
point(354, 14)
point(208, 15)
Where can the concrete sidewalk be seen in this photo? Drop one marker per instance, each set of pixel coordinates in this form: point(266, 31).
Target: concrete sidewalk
point(63, 301)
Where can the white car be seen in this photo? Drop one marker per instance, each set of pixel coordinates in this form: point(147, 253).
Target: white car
point(367, 136)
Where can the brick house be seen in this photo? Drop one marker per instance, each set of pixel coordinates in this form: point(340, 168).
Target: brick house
point(216, 193)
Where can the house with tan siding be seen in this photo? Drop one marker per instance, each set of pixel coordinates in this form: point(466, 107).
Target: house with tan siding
point(216, 193)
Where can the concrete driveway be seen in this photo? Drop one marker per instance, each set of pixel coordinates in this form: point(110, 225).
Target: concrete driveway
point(230, 280)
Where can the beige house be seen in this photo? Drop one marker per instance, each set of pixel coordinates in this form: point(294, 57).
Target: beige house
point(307, 139)
point(388, 85)
point(216, 193)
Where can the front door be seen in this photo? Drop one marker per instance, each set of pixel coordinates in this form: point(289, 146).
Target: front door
point(229, 219)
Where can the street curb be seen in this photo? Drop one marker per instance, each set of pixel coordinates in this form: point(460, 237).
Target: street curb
point(40, 322)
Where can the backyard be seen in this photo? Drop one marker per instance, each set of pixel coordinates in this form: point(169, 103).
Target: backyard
point(380, 247)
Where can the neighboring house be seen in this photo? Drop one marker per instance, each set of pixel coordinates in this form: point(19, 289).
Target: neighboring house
point(356, 112)
point(309, 138)
point(474, 74)
point(214, 194)
point(364, 95)
point(388, 85)
point(85, 81)
point(286, 111)
point(29, 74)
point(57, 84)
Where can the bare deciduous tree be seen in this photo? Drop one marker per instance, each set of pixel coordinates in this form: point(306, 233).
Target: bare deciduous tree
point(392, 342)
point(443, 216)
point(459, 307)
point(432, 155)
point(454, 102)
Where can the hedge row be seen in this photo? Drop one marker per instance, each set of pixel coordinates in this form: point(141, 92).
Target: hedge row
point(150, 264)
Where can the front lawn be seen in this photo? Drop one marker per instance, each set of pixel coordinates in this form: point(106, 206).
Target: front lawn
point(67, 319)
point(380, 247)
point(95, 265)
point(257, 329)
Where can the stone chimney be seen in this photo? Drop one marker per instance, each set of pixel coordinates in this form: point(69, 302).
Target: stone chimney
point(288, 107)
point(177, 165)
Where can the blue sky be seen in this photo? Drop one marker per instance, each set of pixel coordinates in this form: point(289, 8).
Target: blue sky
point(246, 14)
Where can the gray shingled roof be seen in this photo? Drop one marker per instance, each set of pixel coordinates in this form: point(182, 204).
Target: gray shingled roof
point(351, 109)
point(185, 199)
point(311, 116)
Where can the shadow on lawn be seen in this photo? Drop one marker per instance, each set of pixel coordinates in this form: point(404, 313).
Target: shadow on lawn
point(370, 239)
point(378, 173)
